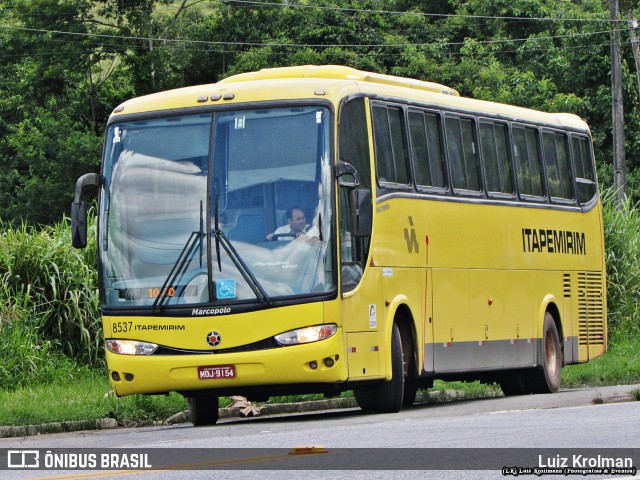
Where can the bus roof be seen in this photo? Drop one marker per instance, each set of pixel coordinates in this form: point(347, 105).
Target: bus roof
point(335, 82)
point(338, 72)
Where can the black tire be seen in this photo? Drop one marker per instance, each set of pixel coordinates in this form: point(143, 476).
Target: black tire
point(513, 383)
point(203, 410)
point(408, 369)
point(386, 396)
point(546, 378)
point(410, 392)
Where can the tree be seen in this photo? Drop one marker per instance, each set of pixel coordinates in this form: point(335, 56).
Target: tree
point(67, 63)
point(52, 110)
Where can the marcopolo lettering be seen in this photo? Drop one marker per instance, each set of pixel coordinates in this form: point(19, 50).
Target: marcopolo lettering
point(210, 311)
point(546, 240)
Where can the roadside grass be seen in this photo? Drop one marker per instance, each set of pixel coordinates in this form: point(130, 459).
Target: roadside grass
point(619, 366)
point(82, 394)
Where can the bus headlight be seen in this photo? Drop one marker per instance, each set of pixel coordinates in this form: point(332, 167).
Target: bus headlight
point(306, 334)
point(131, 347)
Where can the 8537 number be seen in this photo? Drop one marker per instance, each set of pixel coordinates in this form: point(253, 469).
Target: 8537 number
point(121, 327)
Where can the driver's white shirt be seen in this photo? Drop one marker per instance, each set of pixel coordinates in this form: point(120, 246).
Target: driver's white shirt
point(285, 230)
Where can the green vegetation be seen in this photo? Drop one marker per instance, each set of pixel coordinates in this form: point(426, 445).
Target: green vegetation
point(48, 303)
point(67, 64)
point(57, 91)
point(81, 393)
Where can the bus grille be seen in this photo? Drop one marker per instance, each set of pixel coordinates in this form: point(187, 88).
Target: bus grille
point(590, 308)
point(567, 285)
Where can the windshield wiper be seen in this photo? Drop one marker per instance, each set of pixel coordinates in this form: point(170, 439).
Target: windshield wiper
point(181, 264)
point(249, 277)
point(179, 268)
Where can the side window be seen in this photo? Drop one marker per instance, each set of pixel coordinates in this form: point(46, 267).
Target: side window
point(353, 142)
point(391, 154)
point(526, 157)
point(462, 154)
point(583, 163)
point(495, 156)
point(426, 149)
point(556, 161)
point(354, 139)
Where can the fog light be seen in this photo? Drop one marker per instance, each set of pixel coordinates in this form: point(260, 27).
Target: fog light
point(115, 376)
point(328, 362)
point(313, 365)
point(128, 377)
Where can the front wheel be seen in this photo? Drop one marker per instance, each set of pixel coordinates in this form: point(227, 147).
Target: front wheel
point(513, 383)
point(386, 396)
point(203, 410)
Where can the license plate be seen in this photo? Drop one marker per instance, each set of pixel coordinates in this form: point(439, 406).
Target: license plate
point(218, 372)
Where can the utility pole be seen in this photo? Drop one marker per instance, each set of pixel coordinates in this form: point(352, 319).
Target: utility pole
point(617, 112)
point(635, 46)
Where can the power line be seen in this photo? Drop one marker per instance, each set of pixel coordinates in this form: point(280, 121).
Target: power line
point(422, 14)
point(285, 4)
point(295, 45)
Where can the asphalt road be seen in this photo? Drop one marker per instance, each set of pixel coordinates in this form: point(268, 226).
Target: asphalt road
point(376, 446)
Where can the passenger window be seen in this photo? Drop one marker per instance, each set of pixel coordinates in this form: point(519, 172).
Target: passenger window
point(494, 141)
point(426, 149)
point(526, 156)
point(462, 154)
point(556, 160)
point(583, 163)
point(391, 154)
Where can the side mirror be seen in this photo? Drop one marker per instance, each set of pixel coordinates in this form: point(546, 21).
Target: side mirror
point(79, 211)
point(78, 224)
point(361, 212)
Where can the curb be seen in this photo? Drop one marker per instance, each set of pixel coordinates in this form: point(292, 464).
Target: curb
point(440, 396)
point(235, 412)
point(58, 427)
point(275, 409)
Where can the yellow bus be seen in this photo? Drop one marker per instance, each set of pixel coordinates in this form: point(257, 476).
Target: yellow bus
point(323, 229)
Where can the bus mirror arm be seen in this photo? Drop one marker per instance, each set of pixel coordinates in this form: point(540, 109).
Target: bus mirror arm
point(344, 168)
point(79, 211)
point(361, 212)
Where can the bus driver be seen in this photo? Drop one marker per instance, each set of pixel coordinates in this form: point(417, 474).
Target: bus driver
point(297, 227)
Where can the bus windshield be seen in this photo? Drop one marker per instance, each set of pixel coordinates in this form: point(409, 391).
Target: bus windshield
point(217, 208)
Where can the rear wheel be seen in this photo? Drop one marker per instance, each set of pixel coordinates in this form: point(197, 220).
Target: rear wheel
point(386, 396)
point(203, 410)
point(546, 378)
